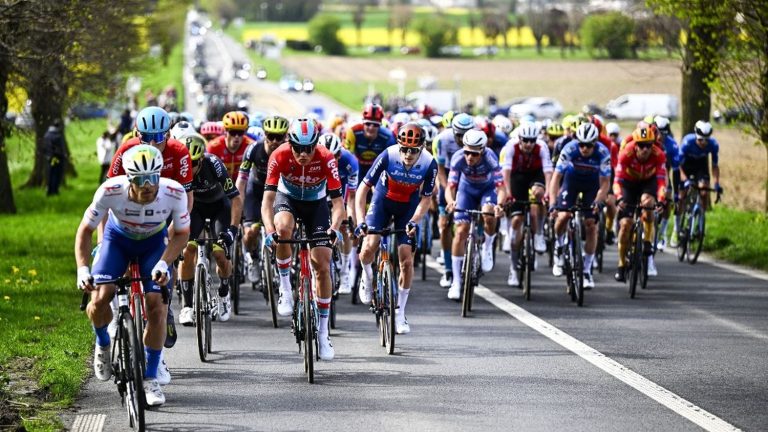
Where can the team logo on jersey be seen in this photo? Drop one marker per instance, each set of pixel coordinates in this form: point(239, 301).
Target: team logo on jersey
point(175, 190)
point(314, 168)
point(149, 212)
point(184, 166)
point(129, 212)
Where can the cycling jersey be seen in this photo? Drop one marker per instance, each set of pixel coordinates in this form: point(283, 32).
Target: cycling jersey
point(218, 147)
point(672, 152)
point(689, 150)
point(311, 182)
point(500, 139)
point(177, 164)
point(516, 160)
point(254, 162)
point(632, 170)
point(367, 150)
point(211, 183)
point(587, 169)
point(469, 178)
point(559, 144)
point(445, 146)
point(138, 221)
point(399, 183)
point(348, 168)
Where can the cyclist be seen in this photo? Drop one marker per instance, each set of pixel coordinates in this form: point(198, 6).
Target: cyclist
point(210, 130)
point(584, 166)
point(554, 132)
point(502, 124)
point(496, 138)
point(475, 181)
point(641, 179)
point(527, 169)
point(614, 131)
point(673, 179)
point(403, 181)
point(445, 145)
point(368, 139)
point(217, 199)
point(250, 183)
point(299, 178)
point(230, 148)
point(348, 168)
point(136, 206)
point(695, 149)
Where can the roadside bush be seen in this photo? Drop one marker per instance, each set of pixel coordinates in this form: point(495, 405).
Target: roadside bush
point(608, 33)
point(324, 32)
point(436, 32)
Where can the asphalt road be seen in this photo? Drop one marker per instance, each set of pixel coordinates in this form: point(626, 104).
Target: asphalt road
point(698, 331)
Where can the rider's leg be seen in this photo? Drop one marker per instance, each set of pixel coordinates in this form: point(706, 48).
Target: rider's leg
point(100, 313)
point(406, 275)
point(458, 249)
point(284, 224)
point(321, 266)
point(648, 200)
point(591, 244)
point(187, 274)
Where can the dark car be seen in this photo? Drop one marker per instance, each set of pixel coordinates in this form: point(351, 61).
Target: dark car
point(743, 113)
point(88, 110)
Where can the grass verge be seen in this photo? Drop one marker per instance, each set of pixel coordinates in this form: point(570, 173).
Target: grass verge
point(737, 236)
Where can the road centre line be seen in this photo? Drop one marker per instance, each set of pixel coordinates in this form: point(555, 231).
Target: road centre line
point(683, 407)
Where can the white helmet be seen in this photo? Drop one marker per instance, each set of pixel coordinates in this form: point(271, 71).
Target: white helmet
point(475, 140)
point(587, 133)
point(142, 159)
point(332, 142)
point(662, 123)
point(612, 128)
point(503, 123)
point(703, 129)
point(256, 133)
point(182, 129)
point(528, 131)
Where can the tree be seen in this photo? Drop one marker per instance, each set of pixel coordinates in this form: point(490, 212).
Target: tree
point(401, 16)
point(610, 32)
point(436, 32)
point(556, 29)
point(324, 32)
point(358, 17)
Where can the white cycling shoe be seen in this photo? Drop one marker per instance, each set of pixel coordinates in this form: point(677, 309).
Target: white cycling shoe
point(102, 364)
point(539, 244)
point(325, 348)
point(446, 281)
point(345, 287)
point(366, 293)
point(163, 373)
point(401, 324)
point(285, 303)
point(153, 392)
point(487, 258)
point(187, 316)
point(454, 292)
point(512, 279)
point(225, 308)
point(652, 267)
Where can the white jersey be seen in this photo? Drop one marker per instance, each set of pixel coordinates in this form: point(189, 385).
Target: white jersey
point(134, 220)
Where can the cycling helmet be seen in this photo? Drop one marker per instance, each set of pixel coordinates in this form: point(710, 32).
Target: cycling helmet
point(182, 129)
point(568, 121)
point(410, 135)
point(303, 131)
point(373, 113)
point(612, 128)
point(648, 119)
point(503, 124)
point(211, 128)
point(142, 159)
point(195, 144)
point(187, 117)
point(332, 142)
point(426, 111)
point(642, 124)
point(555, 130)
point(235, 120)
point(643, 135)
point(256, 133)
point(257, 119)
point(487, 127)
point(528, 131)
point(430, 132)
point(447, 119)
point(587, 133)
point(475, 140)
point(174, 116)
point(662, 123)
point(153, 120)
point(275, 124)
point(461, 123)
point(436, 120)
point(134, 133)
point(528, 118)
point(703, 129)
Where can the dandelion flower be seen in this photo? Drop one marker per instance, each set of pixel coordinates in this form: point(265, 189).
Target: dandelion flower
point(32, 272)
point(15, 269)
point(37, 318)
point(6, 298)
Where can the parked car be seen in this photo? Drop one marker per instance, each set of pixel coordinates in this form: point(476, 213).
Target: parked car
point(307, 85)
point(88, 110)
point(290, 82)
point(261, 73)
point(410, 50)
point(539, 107)
point(485, 51)
point(379, 49)
point(450, 51)
point(635, 106)
point(742, 113)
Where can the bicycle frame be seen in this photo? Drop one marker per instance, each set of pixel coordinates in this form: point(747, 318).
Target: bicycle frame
point(472, 270)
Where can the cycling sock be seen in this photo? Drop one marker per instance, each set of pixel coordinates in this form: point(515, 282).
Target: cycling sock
point(647, 230)
point(457, 262)
point(447, 260)
point(663, 228)
point(153, 359)
point(489, 240)
point(284, 268)
point(186, 292)
point(504, 225)
point(402, 299)
point(588, 258)
point(345, 263)
point(622, 254)
point(224, 287)
point(368, 271)
point(561, 240)
point(323, 310)
point(102, 335)
point(514, 256)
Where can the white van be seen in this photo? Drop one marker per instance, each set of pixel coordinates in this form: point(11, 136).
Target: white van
point(638, 105)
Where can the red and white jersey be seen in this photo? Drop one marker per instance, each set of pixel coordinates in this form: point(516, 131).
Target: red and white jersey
point(134, 220)
point(218, 147)
point(177, 164)
point(311, 182)
point(514, 159)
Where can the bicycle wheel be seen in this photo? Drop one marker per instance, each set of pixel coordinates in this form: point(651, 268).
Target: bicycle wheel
point(130, 372)
point(389, 305)
point(550, 227)
point(270, 283)
point(578, 268)
point(202, 314)
point(635, 257)
point(237, 272)
point(466, 274)
point(335, 284)
point(697, 235)
point(309, 331)
point(138, 323)
point(527, 264)
point(424, 246)
point(600, 241)
point(683, 234)
point(356, 283)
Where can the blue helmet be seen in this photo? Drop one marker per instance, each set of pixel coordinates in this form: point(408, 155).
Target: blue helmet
point(186, 116)
point(303, 131)
point(256, 118)
point(153, 120)
point(462, 122)
point(256, 133)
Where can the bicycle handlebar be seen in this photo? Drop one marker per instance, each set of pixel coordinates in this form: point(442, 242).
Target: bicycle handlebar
point(123, 281)
point(474, 212)
point(305, 241)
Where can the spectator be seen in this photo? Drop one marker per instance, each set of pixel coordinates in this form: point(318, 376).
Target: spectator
point(55, 155)
point(105, 149)
point(126, 122)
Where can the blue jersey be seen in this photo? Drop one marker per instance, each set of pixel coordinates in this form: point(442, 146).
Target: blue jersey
point(394, 181)
point(348, 169)
point(689, 150)
point(672, 152)
point(367, 150)
point(446, 146)
point(499, 141)
point(582, 169)
point(470, 178)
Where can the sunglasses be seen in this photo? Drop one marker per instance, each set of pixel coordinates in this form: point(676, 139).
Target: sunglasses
point(195, 163)
point(472, 153)
point(410, 150)
point(147, 137)
point(141, 180)
point(371, 124)
point(586, 145)
point(299, 149)
point(236, 133)
point(644, 146)
point(529, 140)
point(276, 137)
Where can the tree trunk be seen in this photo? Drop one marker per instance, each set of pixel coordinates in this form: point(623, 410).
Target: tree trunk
point(699, 67)
point(7, 203)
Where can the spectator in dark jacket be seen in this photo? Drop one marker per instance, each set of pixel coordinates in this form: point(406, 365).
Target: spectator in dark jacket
point(55, 155)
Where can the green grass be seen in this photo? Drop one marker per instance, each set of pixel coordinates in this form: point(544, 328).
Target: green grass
point(737, 236)
point(157, 76)
point(353, 94)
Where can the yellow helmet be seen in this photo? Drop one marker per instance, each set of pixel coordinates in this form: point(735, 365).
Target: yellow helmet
point(195, 144)
point(235, 120)
point(275, 125)
point(134, 133)
point(447, 119)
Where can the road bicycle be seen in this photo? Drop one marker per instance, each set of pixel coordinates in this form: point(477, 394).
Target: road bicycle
point(527, 253)
point(471, 269)
point(692, 225)
point(424, 244)
point(304, 318)
point(637, 258)
point(601, 233)
point(572, 253)
point(238, 270)
point(206, 298)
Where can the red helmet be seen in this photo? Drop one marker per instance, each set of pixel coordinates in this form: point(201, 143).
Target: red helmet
point(373, 113)
point(426, 111)
point(487, 126)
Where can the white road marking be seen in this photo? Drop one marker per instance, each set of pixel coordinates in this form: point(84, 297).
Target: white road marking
point(683, 407)
point(89, 423)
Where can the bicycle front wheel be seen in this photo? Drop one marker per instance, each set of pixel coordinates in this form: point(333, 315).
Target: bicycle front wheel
point(527, 264)
point(697, 236)
point(389, 292)
point(578, 268)
point(466, 274)
point(270, 283)
point(130, 355)
point(309, 331)
point(600, 241)
point(683, 235)
point(237, 272)
point(202, 314)
point(635, 256)
point(138, 323)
